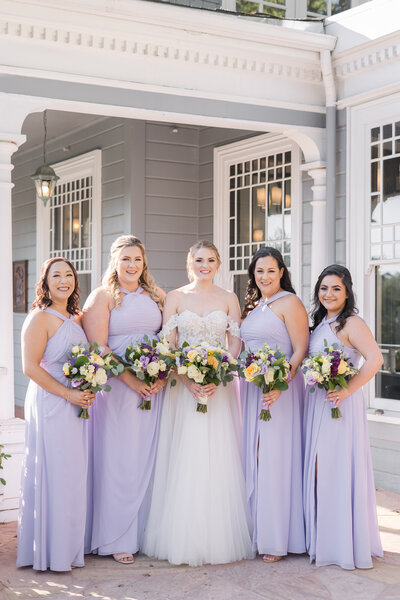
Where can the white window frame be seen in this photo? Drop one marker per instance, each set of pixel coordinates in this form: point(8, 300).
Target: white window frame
point(241, 151)
point(85, 165)
point(361, 119)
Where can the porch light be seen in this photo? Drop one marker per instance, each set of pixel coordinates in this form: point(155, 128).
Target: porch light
point(276, 195)
point(45, 178)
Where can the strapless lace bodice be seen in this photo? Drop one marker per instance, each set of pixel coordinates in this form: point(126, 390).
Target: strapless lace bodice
point(194, 328)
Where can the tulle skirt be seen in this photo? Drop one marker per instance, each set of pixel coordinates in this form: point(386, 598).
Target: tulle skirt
point(198, 511)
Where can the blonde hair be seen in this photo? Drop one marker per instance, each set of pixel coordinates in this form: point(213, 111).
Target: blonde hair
point(192, 251)
point(110, 279)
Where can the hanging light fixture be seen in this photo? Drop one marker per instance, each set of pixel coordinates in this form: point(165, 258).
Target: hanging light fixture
point(261, 194)
point(45, 178)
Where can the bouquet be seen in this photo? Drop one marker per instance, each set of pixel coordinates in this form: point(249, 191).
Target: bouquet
point(149, 360)
point(267, 369)
point(205, 363)
point(329, 370)
point(88, 369)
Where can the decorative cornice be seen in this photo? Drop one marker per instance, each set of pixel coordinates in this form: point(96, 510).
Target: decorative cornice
point(367, 56)
point(248, 57)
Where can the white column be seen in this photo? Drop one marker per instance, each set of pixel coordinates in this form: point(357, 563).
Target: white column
point(11, 429)
point(319, 229)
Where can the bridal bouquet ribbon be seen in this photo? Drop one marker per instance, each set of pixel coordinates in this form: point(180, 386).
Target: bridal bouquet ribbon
point(267, 369)
point(150, 360)
point(88, 368)
point(205, 363)
point(328, 370)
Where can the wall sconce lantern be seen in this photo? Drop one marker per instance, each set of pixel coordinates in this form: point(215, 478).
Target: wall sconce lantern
point(45, 177)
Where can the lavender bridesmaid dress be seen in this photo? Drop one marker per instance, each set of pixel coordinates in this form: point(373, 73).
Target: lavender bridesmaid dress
point(124, 439)
point(53, 497)
point(340, 507)
point(274, 479)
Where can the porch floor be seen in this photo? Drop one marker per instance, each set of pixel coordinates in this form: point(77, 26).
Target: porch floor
point(290, 579)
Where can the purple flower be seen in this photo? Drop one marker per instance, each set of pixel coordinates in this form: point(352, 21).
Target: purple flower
point(144, 361)
point(75, 383)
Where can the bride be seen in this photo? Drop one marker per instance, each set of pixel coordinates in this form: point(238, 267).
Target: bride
point(198, 511)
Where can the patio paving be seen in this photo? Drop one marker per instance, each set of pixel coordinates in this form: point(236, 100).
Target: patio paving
point(290, 579)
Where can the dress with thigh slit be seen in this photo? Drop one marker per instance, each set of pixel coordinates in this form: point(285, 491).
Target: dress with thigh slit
point(272, 450)
point(339, 500)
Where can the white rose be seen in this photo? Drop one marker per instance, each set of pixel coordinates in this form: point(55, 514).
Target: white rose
point(90, 368)
point(83, 370)
point(326, 368)
point(101, 377)
point(182, 370)
point(162, 348)
point(163, 366)
point(153, 368)
point(193, 372)
point(269, 375)
point(199, 378)
point(75, 350)
point(317, 376)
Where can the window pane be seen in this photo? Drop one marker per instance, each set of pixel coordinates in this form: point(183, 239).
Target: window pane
point(317, 6)
point(274, 231)
point(66, 226)
point(239, 287)
point(232, 204)
point(57, 228)
point(387, 131)
point(258, 213)
point(339, 6)
point(288, 195)
point(391, 191)
point(75, 225)
point(85, 224)
point(375, 177)
point(375, 210)
point(375, 134)
point(243, 202)
point(388, 330)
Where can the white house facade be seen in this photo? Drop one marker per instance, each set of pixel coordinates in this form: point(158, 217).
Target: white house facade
point(178, 123)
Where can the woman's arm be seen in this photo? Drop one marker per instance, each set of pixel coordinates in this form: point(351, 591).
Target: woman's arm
point(234, 342)
point(35, 334)
point(96, 320)
point(171, 309)
point(296, 322)
point(360, 337)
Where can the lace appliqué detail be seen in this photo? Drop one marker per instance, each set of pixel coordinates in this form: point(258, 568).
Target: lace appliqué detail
point(232, 327)
point(169, 326)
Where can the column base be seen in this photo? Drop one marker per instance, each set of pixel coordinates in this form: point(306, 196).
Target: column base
point(12, 434)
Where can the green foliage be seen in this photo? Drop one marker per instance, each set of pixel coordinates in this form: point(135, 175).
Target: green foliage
point(3, 456)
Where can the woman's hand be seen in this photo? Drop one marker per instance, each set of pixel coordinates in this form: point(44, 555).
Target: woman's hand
point(337, 397)
point(197, 390)
point(137, 385)
point(271, 397)
point(83, 398)
point(158, 385)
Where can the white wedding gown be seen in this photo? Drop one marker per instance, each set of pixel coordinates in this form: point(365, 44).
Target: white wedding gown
point(198, 511)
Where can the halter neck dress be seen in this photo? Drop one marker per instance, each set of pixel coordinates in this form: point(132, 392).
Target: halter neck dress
point(124, 438)
point(272, 451)
point(340, 505)
point(53, 496)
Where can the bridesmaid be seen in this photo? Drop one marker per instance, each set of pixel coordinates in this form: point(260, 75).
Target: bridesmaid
point(124, 309)
point(272, 451)
point(339, 492)
point(53, 497)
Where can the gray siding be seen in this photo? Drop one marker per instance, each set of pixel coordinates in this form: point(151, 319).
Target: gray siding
point(171, 200)
point(306, 235)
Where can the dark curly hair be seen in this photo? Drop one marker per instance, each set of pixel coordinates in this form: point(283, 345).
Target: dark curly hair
point(43, 299)
point(319, 311)
point(253, 293)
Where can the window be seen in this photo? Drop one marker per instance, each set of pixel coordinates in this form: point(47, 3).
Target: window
point(316, 8)
point(70, 224)
point(256, 203)
point(275, 9)
point(384, 231)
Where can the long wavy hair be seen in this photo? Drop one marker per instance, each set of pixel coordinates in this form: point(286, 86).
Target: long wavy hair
point(253, 293)
point(110, 279)
point(192, 252)
point(43, 299)
point(318, 311)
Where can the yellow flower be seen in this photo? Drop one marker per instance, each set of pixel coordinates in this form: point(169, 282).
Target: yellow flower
point(66, 369)
point(97, 359)
point(213, 362)
point(251, 371)
point(342, 367)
